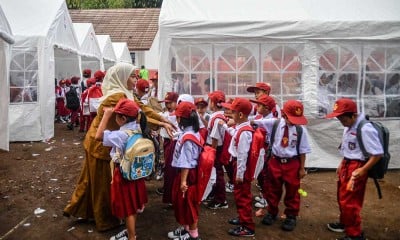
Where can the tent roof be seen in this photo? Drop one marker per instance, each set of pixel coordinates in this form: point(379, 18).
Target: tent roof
point(5, 30)
point(106, 47)
point(286, 19)
point(135, 26)
point(122, 52)
point(87, 40)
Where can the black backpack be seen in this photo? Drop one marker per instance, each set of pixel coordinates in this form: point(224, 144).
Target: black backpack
point(379, 170)
point(72, 99)
point(299, 131)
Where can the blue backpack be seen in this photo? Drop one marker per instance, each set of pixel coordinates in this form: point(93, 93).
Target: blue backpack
point(138, 158)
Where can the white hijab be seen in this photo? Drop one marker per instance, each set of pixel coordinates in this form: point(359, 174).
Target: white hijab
point(116, 80)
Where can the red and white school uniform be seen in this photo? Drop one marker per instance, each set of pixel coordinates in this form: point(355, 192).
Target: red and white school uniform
point(217, 132)
point(239, 150)
point(62, 110)
point(283, 167)
point(168, 146)
point(350, 202)
point(186, 155)
point(127, 197)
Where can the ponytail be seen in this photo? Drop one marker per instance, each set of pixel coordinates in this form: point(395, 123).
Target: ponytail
point(192, 121)
point(143, 126)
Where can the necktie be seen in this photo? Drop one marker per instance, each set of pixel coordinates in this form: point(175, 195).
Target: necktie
point(285, 137)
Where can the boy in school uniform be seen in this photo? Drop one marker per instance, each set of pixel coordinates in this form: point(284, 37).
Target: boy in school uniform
point(354, 167)
point(142, 90)
point(239, 149)
point(215, 139)
point(264, 89)
point(286, 164)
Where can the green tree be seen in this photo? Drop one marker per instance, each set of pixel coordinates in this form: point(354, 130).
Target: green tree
point(94, 4)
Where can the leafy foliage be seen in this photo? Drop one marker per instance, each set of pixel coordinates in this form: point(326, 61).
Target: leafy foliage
point(95, 4)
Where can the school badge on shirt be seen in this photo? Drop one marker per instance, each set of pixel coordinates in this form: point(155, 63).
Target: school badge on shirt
point(352, 145)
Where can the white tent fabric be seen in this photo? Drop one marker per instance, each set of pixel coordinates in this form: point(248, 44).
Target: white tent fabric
point(45, 39)
point(89, 48)
point(122, 52)
point(6, 39)
point(107, 51)
point(308, 50)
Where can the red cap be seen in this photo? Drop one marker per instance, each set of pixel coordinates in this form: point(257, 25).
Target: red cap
point(90, 82)
point(170, 97)
point(99, 75)
point(201, 100)
point(266, 101)
point(242, 105)
point(143, 85)
point(127, 107)
point(260, 85)
point(343, 105)
point(68, 82)
point(87, 73)
point(62, 81)
point(184, 109)
point(75, 80)
point(294, 111)
point(217, 96)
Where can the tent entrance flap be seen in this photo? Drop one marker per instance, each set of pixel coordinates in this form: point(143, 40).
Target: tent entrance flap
point(66, 64)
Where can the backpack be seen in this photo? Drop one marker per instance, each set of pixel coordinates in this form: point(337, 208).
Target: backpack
point(225, 155)
point(256, 157)
point(138, 158)
point(72, 99)
point(205, 163)
point(94, 95)
point(299, 131)
point(379, 170)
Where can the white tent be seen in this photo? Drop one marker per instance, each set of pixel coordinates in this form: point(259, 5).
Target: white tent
point(6, 39)
point(89, 49)
point(46, 48)
point(122, 52)
point(107, 51)
point(313, 51)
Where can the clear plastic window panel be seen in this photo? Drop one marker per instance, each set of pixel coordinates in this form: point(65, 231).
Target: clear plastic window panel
point(23, 76)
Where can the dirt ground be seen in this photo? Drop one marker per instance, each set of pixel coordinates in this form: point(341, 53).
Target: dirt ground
point(42, 175)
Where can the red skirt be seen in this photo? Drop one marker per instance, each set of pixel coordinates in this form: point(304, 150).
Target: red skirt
point(127, 197)
point(61, 109)
point(186, 206)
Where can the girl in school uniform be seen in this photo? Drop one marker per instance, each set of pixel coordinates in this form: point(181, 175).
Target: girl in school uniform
point(127, 197)
point(185, 160)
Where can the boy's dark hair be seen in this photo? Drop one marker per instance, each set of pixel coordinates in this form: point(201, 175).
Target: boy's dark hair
point(193, 121)
point(348, 114)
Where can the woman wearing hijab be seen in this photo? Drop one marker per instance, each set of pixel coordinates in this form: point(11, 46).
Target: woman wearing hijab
point(91, 197)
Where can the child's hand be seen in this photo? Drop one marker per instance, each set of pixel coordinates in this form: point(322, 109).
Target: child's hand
point(108, 111)
point(184, 187)
point(230, 122)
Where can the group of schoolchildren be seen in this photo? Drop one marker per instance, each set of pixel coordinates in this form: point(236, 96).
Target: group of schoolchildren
point(229, 129)
point(80, 107)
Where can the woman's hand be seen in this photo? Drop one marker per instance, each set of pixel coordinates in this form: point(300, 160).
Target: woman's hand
point(169, 127)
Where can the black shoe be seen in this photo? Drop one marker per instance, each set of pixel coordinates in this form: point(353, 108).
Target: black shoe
point(360, 237)
point(160, 191)
point(336, 227)
point(70, 126)
point(289, 223)
point(268, 219)
point(234, 221)
point(215, 205)
point(241, 231)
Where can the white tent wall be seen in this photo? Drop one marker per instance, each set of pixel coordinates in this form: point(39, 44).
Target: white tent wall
point(307, 50)
point(6, 39)
point(151, 58)
point(107, 51)
point(122, 52)
point(89, 48)
point(38, 26)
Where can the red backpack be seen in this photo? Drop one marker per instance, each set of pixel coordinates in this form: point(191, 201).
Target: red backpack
point(225, 155)
point(205, 163)
point(256, 157)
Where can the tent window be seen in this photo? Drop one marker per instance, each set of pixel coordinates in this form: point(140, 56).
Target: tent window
point(282, 68)
point(382, 83)
point(23, 76)
point(236, 69)
point(339, 77)
point(190, 71)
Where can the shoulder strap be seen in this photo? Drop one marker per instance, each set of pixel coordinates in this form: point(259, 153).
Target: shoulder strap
point(192, 138)
point(245, 128)
point(273, 132)
point(220, 116)
point(359, 137)
point(299, 130)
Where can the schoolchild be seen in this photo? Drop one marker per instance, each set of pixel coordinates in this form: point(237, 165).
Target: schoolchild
point(264, 89)
point(228, 166)
point(62, 111)
point(239, 149)
point(75, 112)
point(128, 198)
point(168, 146)
point(204, 116)
point(142, 90)
point(86, 74)
point(353, 168)
point(286, 165)
point(265, 105)
point(185, 160)
point(215, 139)
point(85, 119)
